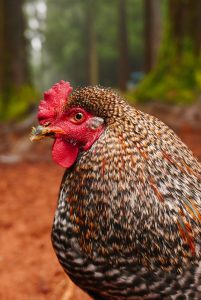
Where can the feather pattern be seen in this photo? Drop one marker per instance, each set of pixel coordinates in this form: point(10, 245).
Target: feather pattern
point(127, 224)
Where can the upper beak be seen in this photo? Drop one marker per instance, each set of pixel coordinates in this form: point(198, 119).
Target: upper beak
point(41, 132)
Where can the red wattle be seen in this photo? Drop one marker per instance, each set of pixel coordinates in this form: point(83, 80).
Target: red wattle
point(64, 153)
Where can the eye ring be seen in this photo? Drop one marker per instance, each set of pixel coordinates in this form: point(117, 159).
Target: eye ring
point(78, 116)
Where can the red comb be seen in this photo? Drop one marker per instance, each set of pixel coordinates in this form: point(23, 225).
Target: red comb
point(54, 101)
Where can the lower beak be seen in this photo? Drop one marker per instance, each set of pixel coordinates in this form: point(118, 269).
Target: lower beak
point(41, 132)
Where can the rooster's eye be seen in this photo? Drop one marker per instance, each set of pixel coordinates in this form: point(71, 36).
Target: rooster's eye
point(79, 116)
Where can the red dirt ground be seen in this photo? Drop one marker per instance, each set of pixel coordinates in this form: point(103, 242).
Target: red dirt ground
point(28, 266)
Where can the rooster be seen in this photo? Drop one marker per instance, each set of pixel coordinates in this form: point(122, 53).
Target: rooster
point(128, 220)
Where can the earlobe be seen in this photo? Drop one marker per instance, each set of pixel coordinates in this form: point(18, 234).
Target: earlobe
point(94, 122)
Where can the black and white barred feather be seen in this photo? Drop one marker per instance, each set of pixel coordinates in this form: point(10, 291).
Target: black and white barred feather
point(128, 222)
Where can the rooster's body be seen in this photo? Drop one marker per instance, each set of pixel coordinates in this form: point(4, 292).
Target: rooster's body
point(128, 222)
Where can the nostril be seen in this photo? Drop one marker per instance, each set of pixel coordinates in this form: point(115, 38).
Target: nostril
point(47, 124)
point(38, 130)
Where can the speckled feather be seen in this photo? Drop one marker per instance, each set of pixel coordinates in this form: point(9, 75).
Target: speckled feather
point(128, 222)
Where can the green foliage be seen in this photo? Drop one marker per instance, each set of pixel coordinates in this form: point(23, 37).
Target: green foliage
point(19, 101)
point(176, 77)
point(172, 81)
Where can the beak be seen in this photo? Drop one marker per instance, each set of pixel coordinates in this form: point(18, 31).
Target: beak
point(41, 132)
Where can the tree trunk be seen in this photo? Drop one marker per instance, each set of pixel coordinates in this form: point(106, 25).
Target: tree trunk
point(185, 24)
point(198, 27)
point(92, 43)
point(13, 56)
point(152, 9)
point(176, 76)
point(123, 69)
point(1, 42)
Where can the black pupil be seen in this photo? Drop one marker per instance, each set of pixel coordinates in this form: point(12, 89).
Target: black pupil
point(79, 116)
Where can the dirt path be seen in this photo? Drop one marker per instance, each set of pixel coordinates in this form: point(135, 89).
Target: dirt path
point(28, 266)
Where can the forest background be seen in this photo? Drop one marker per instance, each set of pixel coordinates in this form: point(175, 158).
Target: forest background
point(149, 49)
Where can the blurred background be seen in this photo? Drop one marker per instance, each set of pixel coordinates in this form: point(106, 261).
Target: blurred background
point(148, 50)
